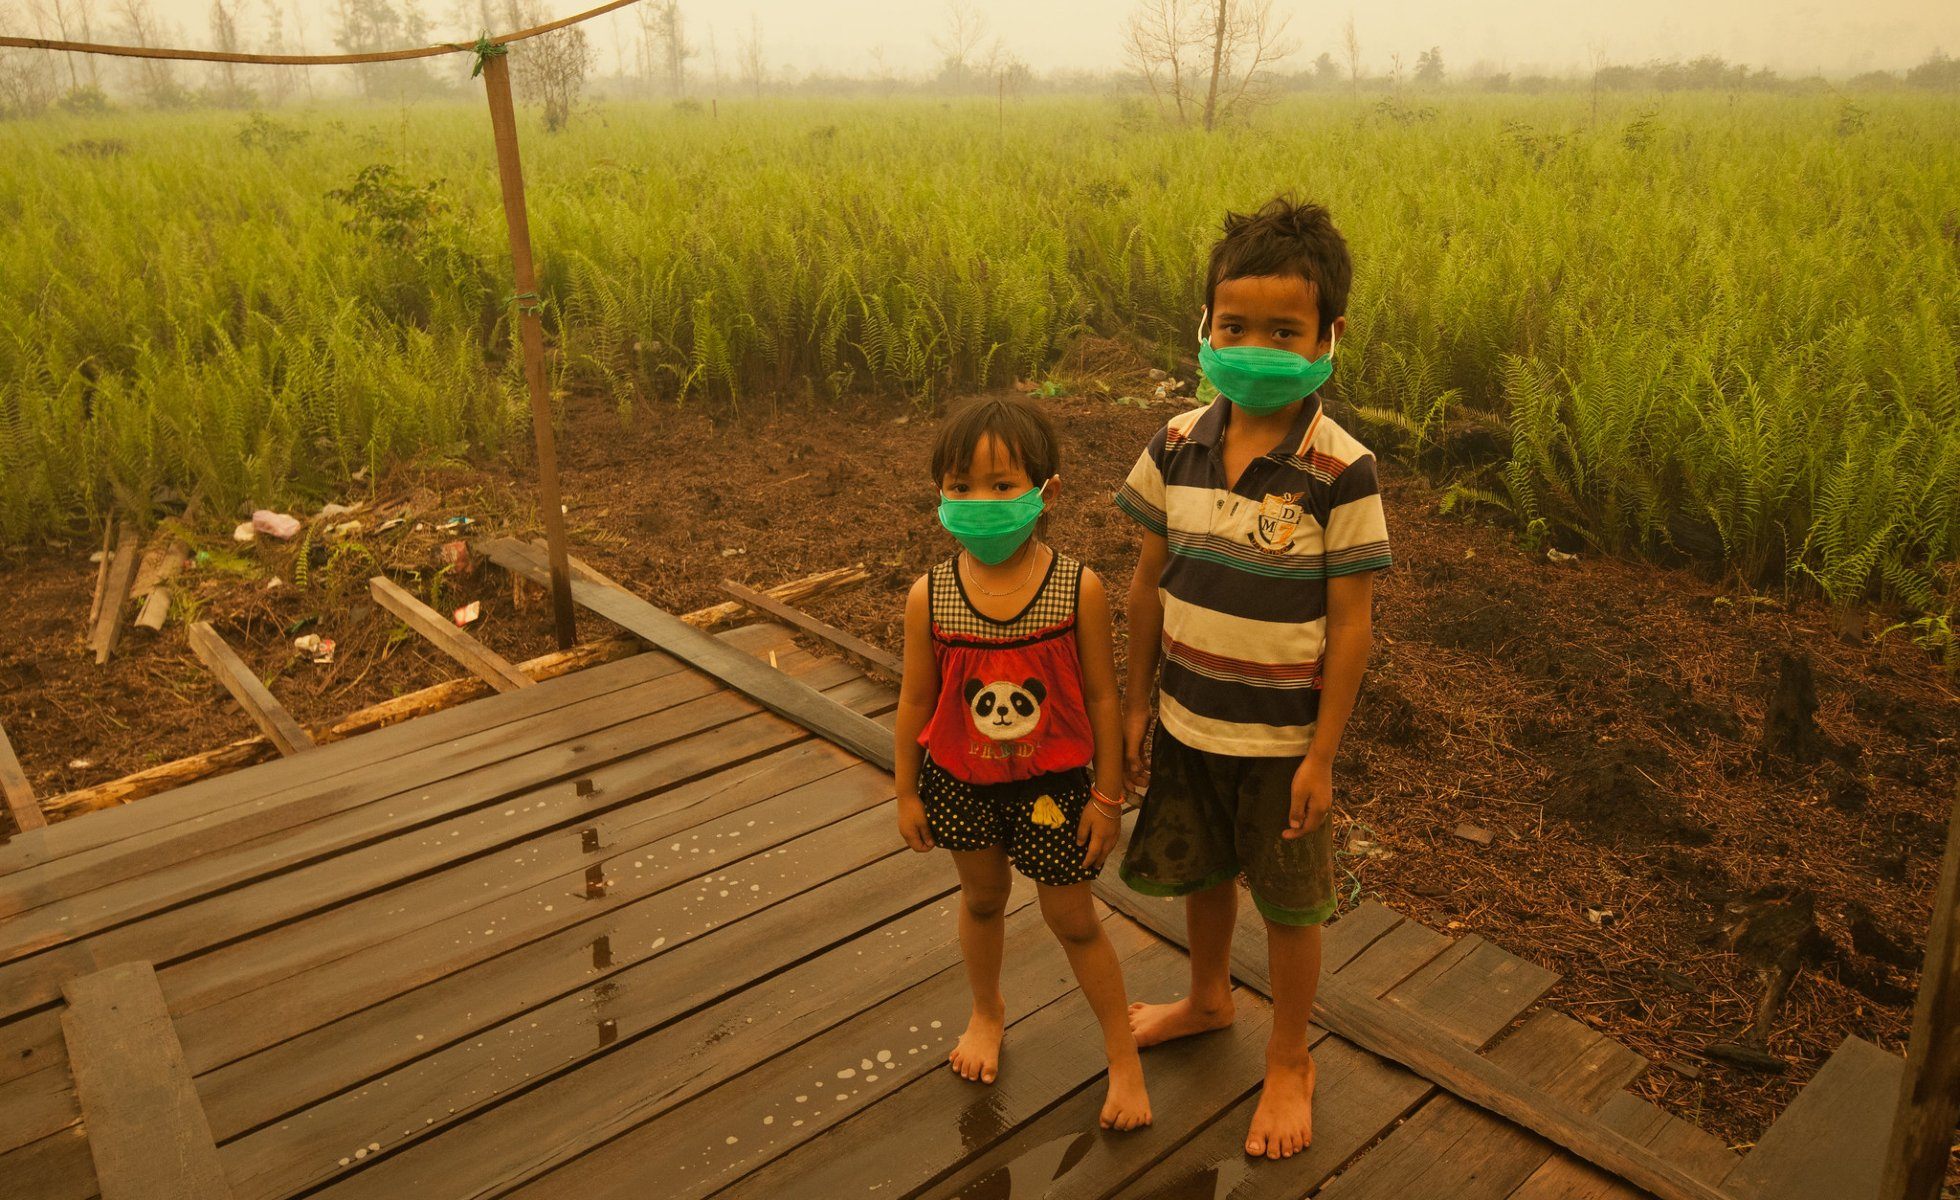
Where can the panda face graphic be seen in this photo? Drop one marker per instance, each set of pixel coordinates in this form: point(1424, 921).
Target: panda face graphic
point(1005, 711)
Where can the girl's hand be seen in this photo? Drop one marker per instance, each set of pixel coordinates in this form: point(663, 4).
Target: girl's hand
point(912, 824)
point(1098, 833)
point(1313, 797)
point(1136, 747)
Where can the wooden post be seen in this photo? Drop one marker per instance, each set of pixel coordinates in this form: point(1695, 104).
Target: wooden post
point(503, 124)
point(1929, 1095)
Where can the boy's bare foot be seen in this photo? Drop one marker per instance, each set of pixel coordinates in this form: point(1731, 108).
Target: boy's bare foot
point(977, 1054)
point(1154, 1023)
point(1128, 1104)
point(1282, 1126)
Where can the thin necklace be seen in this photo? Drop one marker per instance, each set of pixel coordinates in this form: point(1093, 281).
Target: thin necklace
point(1033, 558)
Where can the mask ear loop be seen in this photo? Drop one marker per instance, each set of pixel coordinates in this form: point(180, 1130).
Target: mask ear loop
point(1204, 323)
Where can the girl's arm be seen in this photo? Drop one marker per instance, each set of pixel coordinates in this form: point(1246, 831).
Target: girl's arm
point(1095, 644)
point(918, 694)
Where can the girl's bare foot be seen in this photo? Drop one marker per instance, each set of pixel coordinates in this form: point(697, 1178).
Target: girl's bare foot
point(977, 1054)
point(1128, 1104)
point(1154, 1023)
point(1282, 1125)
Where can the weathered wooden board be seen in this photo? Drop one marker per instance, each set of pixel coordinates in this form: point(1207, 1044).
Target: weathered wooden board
point(883, 660)
point(147, 1133)
point(442, 633)
point(1830, 1143)
point(18, 793)
point(251, 693)
point(1566, 1178)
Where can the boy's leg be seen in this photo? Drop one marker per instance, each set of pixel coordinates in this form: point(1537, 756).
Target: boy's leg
point(1209, 918)
point(1282, 1126)
point(984, 886)
point(1071, 916)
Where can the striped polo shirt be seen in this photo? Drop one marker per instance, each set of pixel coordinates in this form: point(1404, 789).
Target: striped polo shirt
point(1245, 586)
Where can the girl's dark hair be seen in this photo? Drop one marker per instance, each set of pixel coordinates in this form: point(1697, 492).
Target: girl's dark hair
point(1022, 430)
point(1285, 238)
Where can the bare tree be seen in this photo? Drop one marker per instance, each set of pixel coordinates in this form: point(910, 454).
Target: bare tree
point(670, 38)
point(278, 80)
point(550, 69)
point(1351, 46)
point(748, 56)
point(156, 79)
point(27, 77)
point(299, 29)
point(1228, 45)
point(69, 20)
point(224, 37)
point(966, 28)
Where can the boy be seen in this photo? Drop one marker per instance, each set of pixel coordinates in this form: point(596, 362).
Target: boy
point(1263, 528)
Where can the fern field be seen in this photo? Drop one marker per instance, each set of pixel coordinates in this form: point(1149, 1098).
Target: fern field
point(1698, 326)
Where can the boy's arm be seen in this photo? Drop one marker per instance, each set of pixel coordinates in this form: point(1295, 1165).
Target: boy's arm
point(1350, 636)
point(918, 694)
point(1146, 611)
point(1096, 647)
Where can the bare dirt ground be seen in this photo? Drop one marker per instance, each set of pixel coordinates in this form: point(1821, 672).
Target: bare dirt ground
point(1600, 718)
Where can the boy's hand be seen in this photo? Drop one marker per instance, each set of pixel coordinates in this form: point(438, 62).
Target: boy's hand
point(1313, 797)
point(1136, 747)
point(912, 823)
point(1098, 833)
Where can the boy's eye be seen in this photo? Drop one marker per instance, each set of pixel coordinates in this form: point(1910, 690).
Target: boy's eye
point(1282, 334)
point(1234, 330)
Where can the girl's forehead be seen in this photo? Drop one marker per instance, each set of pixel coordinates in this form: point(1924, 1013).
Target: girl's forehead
point(992, 457)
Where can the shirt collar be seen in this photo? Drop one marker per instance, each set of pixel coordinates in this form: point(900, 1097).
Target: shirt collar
point(1209, 429)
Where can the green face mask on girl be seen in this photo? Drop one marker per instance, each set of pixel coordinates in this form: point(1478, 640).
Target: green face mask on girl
point(992, 530)
point(1261, 379)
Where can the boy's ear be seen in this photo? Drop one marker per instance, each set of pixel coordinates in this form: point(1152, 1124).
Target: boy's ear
point(1339, 328)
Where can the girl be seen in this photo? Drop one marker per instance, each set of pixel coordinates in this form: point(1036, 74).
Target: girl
point(1007, 705)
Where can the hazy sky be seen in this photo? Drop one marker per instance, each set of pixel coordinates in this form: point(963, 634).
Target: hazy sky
point(1514, 35)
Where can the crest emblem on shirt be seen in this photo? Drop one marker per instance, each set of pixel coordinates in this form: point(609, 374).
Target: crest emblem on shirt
point(1279, 518)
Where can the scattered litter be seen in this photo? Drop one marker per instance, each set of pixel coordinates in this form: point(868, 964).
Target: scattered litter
point(392, 523)
point(1686, 1070)
point(905, 420)
point(1559, 556)
point(345, 529)
point(458, 523)
point(97, 557)
point(1601, 917)
point(468, 614)
point(246, 532)
point(456, 555)
point(360, 476)
point(1469, 553)
point(80, 764)
point(279, 525)
point(336, 510)
point(274, 584)
point(1474, 833)
point(732, 551)
point(319, 649)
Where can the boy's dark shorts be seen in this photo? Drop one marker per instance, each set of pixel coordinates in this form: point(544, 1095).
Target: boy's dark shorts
point(1034, 820)
point(1208, 818)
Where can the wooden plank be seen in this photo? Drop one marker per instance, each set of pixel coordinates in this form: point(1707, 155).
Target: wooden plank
point(102, 562)
point(37, 1105)
point(769, 688)
point(339, 863)
point(19, 793)
point(541, 1025)
point(147, 1133)
point(114, 598)
point(479, 659)
point(881, 660)
point(1364, 1095)
point(1831, 1142)
point(653, 1072)
point(1463, 988)
point(709, 1143)
point(1378, 1027)
point(56, 1167)
point(1563, 1177)
point(1929, 1095)
point(245, 687)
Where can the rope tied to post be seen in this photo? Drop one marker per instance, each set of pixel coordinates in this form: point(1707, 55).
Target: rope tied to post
point(485, 50)
point(526, 302)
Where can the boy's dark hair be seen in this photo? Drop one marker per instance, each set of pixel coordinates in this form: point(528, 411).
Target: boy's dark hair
point(1023, 430)
point(1285, 238)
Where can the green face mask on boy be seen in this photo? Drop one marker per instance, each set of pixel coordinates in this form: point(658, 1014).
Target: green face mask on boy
point(992, 530)
point(1261, 379)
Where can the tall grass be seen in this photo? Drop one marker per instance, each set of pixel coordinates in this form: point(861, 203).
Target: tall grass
point(1720, 327)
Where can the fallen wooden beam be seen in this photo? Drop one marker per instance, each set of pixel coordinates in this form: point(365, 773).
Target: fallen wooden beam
point(1929, 1094)
point(156, 595)
point(1402, 1037)
point(102, 572)
point(481, 661)
point(247, 751)
point(147, 1131)
point(245, 687)
point(114, 598)
point(19, 793)
point(881, 661)
point(766, 686)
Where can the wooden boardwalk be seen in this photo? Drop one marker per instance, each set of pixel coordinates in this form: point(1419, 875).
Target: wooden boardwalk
point(626, 934)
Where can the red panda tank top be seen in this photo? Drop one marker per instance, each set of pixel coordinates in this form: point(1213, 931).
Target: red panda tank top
point(1010, 692)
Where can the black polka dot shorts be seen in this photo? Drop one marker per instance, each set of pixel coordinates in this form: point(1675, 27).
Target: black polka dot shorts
point(1034, 820)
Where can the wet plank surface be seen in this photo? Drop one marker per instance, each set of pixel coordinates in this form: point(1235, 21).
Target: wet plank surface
point(631, 931)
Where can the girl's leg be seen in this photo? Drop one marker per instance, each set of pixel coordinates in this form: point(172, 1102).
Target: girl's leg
point(984, 884)
point(1071, 915)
